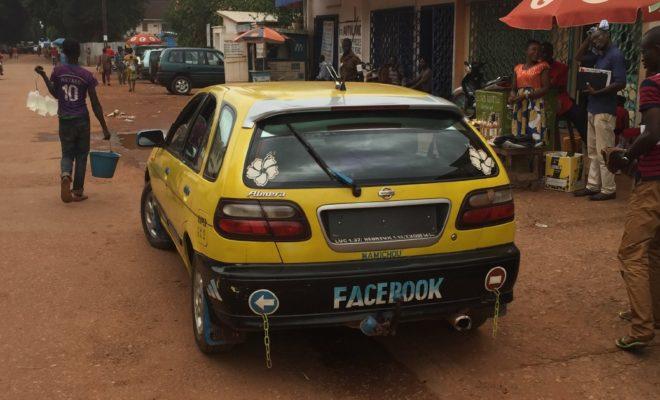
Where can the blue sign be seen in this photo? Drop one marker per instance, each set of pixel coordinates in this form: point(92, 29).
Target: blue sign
point(263, 301)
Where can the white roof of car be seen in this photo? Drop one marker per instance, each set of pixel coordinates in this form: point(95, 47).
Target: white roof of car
point(263, 109)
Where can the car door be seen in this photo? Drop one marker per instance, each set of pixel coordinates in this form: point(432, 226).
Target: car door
point(192, 190)
point(215, 68)
point(166, 164)
point(195, 67)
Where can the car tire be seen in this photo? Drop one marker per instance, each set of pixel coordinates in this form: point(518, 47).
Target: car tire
point(210, 335)
point(181, 85)
point(156, 234)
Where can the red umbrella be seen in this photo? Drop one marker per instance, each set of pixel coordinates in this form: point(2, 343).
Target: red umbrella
point(261, 35)
point(142, 39)
point(541, 14)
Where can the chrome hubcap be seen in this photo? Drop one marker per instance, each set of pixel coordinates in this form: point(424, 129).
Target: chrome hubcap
point(181, 85)
point(198, 303)
point(151, 217)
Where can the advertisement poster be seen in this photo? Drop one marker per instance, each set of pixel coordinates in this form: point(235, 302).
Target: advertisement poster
point(328, 40)
point(353, 31)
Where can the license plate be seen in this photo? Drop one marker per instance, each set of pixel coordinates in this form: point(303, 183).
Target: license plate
point(369, 225)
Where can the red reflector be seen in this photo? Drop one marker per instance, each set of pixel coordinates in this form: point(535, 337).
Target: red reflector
point(487, 215)
point(244, 227)
point(284, 229)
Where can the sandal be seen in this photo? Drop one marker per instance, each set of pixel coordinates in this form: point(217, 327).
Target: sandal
point(627, 316)
point(65, 189)
point(628, 343)
point(80, 197)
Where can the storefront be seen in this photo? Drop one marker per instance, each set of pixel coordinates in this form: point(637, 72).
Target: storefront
point(404, 29)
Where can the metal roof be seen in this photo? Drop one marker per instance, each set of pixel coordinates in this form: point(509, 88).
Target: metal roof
point(247, 16)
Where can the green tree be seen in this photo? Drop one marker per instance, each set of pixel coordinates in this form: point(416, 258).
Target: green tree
point(82, 18)
point(14, 21)
point(188, 18)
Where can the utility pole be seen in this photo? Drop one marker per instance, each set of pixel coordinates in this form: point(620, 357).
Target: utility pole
point(104, 14)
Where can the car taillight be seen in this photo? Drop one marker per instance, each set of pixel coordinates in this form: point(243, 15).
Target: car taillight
point(279, 221)
point(486, 208)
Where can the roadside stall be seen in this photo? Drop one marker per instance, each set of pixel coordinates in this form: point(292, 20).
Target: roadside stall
point(563, 169)
point(258, 40)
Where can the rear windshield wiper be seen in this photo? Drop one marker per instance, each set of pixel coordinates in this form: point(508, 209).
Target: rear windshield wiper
point(334, 175)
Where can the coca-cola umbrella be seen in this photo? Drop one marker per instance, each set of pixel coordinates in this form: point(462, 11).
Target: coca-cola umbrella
point(543, 14)
point(143, 39)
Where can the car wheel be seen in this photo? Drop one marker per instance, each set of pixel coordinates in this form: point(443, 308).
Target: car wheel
point(211, 337)
point(181, 85)
point(153, 228)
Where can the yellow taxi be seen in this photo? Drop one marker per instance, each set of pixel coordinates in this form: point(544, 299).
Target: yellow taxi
point(300, 204)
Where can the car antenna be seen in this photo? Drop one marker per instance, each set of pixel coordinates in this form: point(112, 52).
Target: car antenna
point(338, 84)
point(334, 175)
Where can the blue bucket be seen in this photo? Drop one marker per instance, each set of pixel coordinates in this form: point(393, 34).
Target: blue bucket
point(103, 163)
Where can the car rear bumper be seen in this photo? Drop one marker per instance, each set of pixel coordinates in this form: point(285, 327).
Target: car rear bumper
point(344, 293)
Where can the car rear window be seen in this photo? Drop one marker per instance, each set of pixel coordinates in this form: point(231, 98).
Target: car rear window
point(370, 147)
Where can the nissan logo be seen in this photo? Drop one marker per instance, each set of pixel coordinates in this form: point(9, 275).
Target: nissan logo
point(386, 193)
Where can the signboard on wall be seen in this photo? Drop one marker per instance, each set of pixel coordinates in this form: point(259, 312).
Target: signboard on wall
point(328, 40)
point(233, 50)
point(353, 31)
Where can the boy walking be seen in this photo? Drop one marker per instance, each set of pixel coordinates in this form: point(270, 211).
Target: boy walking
point(70, 84)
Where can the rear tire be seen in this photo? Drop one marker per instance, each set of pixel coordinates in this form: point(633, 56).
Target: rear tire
point(181, 85)
point(210, 337)
point(156, 234)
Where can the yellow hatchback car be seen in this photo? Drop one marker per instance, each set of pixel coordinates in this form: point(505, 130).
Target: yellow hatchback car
point(314, 207)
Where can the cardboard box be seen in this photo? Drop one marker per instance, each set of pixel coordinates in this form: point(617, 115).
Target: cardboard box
point(564, 173)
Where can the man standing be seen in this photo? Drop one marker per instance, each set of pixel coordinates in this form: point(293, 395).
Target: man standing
point(640, 247)
point(121, 67)
point(349, 62)
point(602, 110)
point(69, 84)
point(324, 70)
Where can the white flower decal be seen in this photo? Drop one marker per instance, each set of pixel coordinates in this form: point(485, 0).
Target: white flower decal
point(481, 161)
point(263, 171)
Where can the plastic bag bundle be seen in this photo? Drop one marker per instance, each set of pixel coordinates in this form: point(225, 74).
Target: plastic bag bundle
point(51, 106)
point(42, 105)
point(32, 100)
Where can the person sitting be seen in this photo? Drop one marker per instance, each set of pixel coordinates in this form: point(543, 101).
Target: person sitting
point(391, 72)
point(531, 81)
point(424, 80)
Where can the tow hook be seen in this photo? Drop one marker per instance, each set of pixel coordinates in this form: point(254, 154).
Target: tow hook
point(460, 322)
point(382, 324)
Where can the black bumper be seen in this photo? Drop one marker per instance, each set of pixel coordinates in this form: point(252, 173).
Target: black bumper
point(314, 295)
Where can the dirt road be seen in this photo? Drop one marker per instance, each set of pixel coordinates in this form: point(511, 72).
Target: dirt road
point(88, 310)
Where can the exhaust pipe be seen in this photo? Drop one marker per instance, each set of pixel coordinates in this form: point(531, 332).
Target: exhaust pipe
point(461, 322)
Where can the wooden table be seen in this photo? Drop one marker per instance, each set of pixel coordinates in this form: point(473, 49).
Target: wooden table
point(530, 179)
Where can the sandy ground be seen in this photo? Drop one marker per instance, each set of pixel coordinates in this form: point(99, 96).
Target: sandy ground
point(88, 310)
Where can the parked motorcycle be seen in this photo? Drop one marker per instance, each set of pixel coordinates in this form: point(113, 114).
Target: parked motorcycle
point(465, 96)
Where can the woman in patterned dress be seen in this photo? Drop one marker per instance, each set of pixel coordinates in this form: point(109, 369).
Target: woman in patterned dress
point(530, 83)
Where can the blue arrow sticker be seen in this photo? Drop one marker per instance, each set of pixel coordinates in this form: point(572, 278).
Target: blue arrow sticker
point(263, 301)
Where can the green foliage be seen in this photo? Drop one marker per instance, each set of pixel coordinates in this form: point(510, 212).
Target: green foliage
point(14, 21)
point(188, 18)
point(82, 19)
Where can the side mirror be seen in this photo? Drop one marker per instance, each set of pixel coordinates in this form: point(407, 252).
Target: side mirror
point(151, 138)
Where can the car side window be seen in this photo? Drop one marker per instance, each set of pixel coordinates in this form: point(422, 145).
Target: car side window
point(194, 57)
point(176, 136)
point(220, 142)
point(176, 56)
point(214, 58)
point(193, 151)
